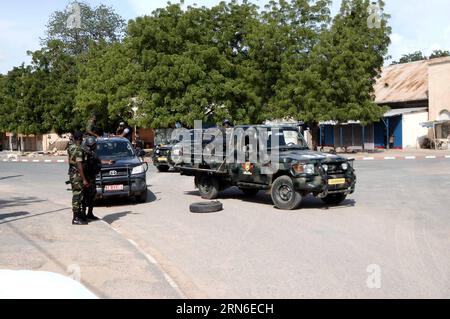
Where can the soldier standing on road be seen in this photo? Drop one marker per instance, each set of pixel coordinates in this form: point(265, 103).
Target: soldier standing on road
point(91, 127)
point(78, 178)
point(92, 167)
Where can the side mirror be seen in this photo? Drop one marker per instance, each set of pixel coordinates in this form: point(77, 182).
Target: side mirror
point(141, 153)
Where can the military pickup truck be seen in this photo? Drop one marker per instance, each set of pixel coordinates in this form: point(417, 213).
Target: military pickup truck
point(265, 158)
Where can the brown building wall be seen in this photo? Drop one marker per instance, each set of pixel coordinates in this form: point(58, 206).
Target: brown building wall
point(439, 88)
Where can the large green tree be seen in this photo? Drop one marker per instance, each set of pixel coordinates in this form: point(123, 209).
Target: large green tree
point(80, 23)
point(339, 83)
point(108, 84)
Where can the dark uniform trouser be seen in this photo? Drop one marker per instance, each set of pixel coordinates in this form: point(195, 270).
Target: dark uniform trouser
point(77, 195)
point(89, 197)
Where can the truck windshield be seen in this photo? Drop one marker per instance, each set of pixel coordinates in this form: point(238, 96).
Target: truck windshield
point(286, 139)
point(114, 149)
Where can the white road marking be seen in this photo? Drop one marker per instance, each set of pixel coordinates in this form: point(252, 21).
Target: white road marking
point(48, 161)
point(25, 161)
point(447, 156)
point(368, 158)
point(390, 158)
point(152, 260)
point(410, 157)
point(60, 161)
point(430, 157)
point(36, 161)
point(5, 160)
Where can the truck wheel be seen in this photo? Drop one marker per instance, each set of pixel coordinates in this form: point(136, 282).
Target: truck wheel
point(206, 207)
point(142, 198)
point(250, 191)
point(334, 199)
point(284, 195)
point(163, 168)
point(208, 186)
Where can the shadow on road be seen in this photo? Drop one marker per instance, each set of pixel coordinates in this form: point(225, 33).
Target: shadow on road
point(19, 201)
point(10, 177)
point(26, 215)
point(13, 215)
point(117, 202)
point(112, 218)
point(309, 202)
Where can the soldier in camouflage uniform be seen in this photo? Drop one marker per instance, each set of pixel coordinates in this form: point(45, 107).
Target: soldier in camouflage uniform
point(78, 179)
point(91, 127)
point(92, 166)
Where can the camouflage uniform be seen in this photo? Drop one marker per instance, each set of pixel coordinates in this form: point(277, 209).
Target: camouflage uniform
point(92, 127)
point(76, 155)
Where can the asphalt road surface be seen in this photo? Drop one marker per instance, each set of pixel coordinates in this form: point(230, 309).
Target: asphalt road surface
point(389, 240)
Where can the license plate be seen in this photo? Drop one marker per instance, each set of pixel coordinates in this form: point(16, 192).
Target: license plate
point(337, 181)
point(113, 188)
point(162, 159)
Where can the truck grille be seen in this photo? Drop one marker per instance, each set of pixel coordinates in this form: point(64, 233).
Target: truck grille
point(114, 173)
point(335, 168)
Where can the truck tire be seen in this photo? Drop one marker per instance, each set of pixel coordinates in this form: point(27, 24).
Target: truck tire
point(163, 168)
point(284, 195)
point(206, 207)
point(208, 186)
point(250, 192)
point(334, 199)
point(142, 198)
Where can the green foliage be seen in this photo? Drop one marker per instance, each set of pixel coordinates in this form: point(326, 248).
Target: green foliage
point(419, 56)
point(107, 84)
point(339, 83)
point(439, 54)
point(96, 24)
point(411, 57)
point(230, 61)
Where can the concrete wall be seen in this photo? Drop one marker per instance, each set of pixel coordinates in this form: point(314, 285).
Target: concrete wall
point(413, 132)
point(439, 88)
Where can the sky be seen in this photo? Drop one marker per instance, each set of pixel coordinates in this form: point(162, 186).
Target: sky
point(416, 24)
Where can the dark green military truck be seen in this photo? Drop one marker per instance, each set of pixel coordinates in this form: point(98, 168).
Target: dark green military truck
point(275, 159)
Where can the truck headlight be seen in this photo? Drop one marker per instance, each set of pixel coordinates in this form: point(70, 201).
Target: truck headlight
point(310, 169)
point(325, 167)
point(344, 166)
point(299, 168)
point(138, 170)
point(157, 152)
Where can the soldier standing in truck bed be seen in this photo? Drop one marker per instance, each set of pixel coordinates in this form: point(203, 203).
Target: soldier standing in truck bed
point(91, 127)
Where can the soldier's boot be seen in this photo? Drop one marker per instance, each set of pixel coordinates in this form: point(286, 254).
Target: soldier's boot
point(77, 220)
point(90, 216)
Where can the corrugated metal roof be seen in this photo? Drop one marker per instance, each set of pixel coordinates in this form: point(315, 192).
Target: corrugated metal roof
point(404, 82)
point(410, 110)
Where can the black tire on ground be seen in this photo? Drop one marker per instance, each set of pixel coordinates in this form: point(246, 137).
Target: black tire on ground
point(163, 168)
point(284, 195)
point(208, 186)
point(250, 191)
point(206, 207)
point(334, 199)
point(142, 198)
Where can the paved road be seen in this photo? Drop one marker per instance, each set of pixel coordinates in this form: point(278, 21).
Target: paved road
point(397, 223)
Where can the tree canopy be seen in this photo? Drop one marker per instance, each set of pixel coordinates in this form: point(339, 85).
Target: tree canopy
point(419, 56)
point(290, 59)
